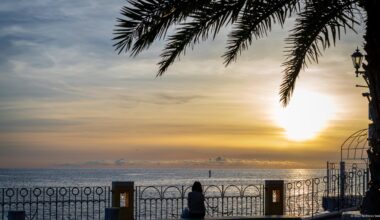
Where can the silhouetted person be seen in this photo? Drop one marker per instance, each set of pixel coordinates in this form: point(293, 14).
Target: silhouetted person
point(195, 203)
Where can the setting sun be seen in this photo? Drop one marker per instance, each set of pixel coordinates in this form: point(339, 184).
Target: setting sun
point(307, 114)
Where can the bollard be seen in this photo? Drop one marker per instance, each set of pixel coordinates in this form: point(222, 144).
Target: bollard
point(122, 198)
point(112, 213)
point(274, 197)
point(16, 215)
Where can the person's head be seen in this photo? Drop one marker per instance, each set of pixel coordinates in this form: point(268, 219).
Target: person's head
point(197, 186)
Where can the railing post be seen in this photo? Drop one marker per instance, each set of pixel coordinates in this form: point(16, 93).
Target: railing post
point(274, 195)
point(342, 183)
point(328, 179)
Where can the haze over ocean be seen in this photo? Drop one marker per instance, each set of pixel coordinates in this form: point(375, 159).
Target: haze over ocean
point(143, 176)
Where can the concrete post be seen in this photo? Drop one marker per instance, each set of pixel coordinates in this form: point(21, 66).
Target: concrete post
point(274, 197)
point(122, 197)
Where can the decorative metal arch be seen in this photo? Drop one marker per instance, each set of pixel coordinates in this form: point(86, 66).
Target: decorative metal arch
point(354, 148)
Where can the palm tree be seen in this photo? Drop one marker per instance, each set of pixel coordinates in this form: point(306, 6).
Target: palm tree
point(318, 25)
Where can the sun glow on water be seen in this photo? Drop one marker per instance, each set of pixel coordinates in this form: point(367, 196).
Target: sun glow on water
point(307, 114)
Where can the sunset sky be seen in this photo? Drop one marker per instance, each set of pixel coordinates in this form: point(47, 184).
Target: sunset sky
point(68, 99)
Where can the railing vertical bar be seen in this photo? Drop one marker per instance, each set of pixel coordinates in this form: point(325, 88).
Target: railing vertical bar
point(16, 202)
point(232, 205)
point(251, 207)
point(262, 199)
point(183, 192)
point(37, 201)
point(145, 207)
point(220, 207)
point(222, 195)
point(246, 206)
point(69, 205)
point(364, 176)
point(227, 205)
point(30, 202)
point(136, 201)
point(157, 211)
point(177, 210)
point(161, 205)
point(80, 202)
point(51, 201)
point(87, 206)
point(63, 203)
point(101, 200)
point(75, 205)
point(93, 203)
point(43, 203)
point(2, 203)
point(150, 208)
point(312, 198)
point(241, 206)
point(294, 194)
point(109, 197)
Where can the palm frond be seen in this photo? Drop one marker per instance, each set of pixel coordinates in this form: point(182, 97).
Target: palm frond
point(210, 19)
point(318, 26)
point(256, 20)
point(146, 20)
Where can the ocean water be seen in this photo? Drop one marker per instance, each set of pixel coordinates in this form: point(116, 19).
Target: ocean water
point(145, 177)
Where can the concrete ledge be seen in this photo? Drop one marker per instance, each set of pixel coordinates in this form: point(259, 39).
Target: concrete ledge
point(324, 215)
point(269, 217)
point(355, 215)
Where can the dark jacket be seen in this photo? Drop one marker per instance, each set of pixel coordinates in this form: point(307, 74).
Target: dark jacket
point(196, 204)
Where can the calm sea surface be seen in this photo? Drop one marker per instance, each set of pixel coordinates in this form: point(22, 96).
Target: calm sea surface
point(104, 177)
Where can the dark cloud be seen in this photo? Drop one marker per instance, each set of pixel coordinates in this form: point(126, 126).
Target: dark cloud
point(96, 163)
point(36, 125)
point(218, 159)
point(217, 128)
point(120, 162)
point(21, 88)
point(164, 98)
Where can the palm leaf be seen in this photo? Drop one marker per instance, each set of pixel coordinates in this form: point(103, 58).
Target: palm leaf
point(210, 19)
point(320, 23)
point(256, 19)
point(146, 20)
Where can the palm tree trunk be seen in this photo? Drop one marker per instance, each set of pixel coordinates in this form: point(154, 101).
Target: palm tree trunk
point(371, 202)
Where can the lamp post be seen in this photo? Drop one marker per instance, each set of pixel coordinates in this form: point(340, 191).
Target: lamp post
point(357, 59)
point(370, 204)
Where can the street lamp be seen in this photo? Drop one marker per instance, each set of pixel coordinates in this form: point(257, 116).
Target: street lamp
point(357, 59)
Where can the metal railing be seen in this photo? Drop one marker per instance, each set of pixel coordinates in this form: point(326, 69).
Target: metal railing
point(302, 198)
point(167, 202)
point(333, 192)
point(56, 202)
